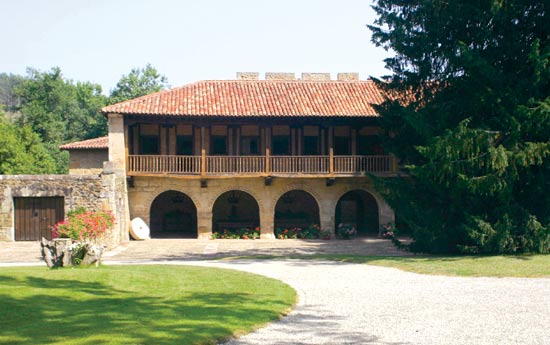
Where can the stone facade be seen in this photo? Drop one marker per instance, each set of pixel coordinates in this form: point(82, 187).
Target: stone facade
point(87, 162)
point(90, 191)
point(147, 189)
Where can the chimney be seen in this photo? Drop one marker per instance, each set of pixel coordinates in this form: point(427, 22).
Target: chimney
point(316, 76)
point(248, 75)
point(348, 76)
point(279, 76)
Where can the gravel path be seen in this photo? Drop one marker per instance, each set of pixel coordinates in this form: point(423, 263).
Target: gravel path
point(343, 303)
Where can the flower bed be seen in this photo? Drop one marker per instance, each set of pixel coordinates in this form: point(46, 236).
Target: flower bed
point(242, 233)
point(311, 232)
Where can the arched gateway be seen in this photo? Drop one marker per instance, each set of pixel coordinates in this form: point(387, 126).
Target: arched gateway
point(235, 209)
point(359, 208)
point(173, 214)
point(296, 208)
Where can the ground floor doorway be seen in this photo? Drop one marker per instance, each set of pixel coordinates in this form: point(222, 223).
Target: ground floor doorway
point(173, 215)
point(358, 208)
point(34, 217)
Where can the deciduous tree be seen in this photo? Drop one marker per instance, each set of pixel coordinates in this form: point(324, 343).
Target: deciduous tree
point(139, 82)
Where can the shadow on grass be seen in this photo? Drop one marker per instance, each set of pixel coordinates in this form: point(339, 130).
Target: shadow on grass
point(96, 313)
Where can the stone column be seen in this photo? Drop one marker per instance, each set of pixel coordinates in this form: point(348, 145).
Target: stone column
point(114, 175)
point(326, 215)
point(204, 222)
point(117, 147)
point(267, 221)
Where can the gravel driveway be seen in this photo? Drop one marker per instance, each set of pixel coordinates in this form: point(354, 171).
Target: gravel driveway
point(342, 303)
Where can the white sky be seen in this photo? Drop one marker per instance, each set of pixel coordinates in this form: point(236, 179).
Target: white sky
point(100, 40)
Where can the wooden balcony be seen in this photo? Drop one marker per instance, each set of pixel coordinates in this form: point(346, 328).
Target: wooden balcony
point(235, 166)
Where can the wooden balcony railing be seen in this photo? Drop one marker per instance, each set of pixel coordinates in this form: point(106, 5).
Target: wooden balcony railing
point(259, 165)
point(235, 164)
point(153, 164)
point(362, 164)
point(300, 164)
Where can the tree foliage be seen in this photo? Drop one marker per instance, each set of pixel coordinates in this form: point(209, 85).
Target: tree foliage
point(60, 111)
point(471, 125)
point(139, 82)
point(22, 151)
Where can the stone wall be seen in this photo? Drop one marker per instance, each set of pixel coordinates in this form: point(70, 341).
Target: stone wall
point(94, 192)
point(146, 189)
point(87, 162)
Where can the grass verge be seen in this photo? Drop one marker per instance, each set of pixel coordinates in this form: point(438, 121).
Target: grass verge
point(136, 304)
point(525, 266)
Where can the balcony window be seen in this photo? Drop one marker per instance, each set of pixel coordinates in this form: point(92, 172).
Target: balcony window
point(311, 145)
point(342, 146)
point(281, 145)
point(368, 145)
point(250, 146)
point(184, 145)
point(149, 145)
point(218, 145)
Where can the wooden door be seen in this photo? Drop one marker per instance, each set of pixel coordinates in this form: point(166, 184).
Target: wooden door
point(35, 216)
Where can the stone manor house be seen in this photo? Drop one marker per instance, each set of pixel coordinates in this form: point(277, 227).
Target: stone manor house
point(220, 154)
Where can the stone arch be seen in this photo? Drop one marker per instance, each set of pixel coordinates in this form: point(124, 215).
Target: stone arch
point(152, 196)
point(296, 186)
point(359, 207)
point(173, 214)
point(235, 209)
point(249, 191)
point(297, 208)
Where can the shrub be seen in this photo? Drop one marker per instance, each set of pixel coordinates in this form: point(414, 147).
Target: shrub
point(84, 226)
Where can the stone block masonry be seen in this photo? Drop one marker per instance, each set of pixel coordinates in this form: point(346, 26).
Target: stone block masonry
point(94, 192)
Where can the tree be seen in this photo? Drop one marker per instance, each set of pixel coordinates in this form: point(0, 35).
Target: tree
point(470, 124)
point(139, 82)
point(8, 83)
point(21, 151)
point(60, 111)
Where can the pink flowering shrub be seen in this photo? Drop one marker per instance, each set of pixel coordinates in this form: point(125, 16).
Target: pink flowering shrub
point(84, 226)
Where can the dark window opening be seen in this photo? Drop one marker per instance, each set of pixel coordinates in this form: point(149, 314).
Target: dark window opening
point(184, 145)
point(219, 145)
point(311, 145)
point(149, 145)
point(369, 145)
point(250, 146)
point(280, 145)
point(342, 146)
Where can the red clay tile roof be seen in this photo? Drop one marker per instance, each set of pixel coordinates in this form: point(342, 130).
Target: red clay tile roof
point(258, 98)
point(90, 144)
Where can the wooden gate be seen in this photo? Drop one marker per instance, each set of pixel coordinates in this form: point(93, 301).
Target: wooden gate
point(34, 216)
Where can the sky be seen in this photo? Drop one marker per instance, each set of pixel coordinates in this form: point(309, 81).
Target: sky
point(101, 40)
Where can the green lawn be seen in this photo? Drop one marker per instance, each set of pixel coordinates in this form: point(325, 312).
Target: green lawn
point(135, 304)
point(528, 266)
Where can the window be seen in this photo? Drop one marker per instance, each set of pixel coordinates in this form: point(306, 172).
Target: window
point(184, 145)
point(368, 145)
point(149, 145)
point(311, 145)
point(250, 146)
point(342, 146)
point(218, 145)
point(280, 145)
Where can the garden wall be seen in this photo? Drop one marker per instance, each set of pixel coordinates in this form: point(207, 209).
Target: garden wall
point(94, 192)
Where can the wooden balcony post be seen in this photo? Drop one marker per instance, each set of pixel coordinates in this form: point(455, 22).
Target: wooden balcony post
point(267, 159)
point(331, 161)
point(203, 162)
point(393, 163)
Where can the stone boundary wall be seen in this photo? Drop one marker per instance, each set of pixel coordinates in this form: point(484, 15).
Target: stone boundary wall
point(94, 192)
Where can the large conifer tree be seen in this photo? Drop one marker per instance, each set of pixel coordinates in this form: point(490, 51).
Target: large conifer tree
point(471, 124)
